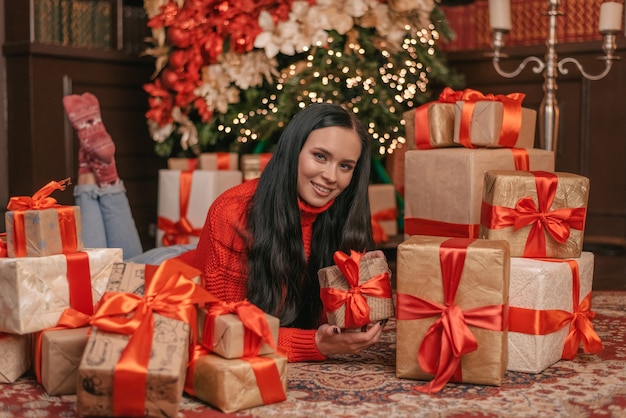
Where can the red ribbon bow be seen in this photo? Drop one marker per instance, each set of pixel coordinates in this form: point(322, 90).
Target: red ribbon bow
point(39, 200)
point(357, 309)
point(557, 222)
point(257, 330)
point(378, 232)
point(449, 337)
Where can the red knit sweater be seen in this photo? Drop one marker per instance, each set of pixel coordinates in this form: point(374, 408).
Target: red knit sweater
point(221, 255)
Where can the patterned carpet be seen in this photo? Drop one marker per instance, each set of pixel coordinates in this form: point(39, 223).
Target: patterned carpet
point(365, 385)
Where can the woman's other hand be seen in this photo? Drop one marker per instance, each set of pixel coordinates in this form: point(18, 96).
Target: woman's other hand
point(331, 340)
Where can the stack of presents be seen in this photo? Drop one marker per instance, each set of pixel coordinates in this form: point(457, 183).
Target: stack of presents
point(491, 276)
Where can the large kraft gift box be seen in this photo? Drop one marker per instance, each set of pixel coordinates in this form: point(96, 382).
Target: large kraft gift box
point(540, 213)
point(383, 208)
point(232, 384)
point(34, 291)
point(444, 187)
point(544, 298)
point(15, 359)
point(493, 123)
point(61, 352)
point(102, 380)
point(184, 199)
point(233, 335)
point(356, 292)
point(464, 283)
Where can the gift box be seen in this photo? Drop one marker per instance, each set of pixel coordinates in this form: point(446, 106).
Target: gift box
point(498, 122)
point(15, 358)
point(253, 165)
point(452, 286)
point(38, 233)
point(394, 165)
point(444, 187)
point(235, 330)
point(543, 298)
point(140, 326)
point(61, 352)
point(183, 164)
point(184, 199)
point(34, 291)
point(211, 161)
point(234, 384)
point(540, 213)
point(356, 292)
point(37, 226)
point(430, 126)
point(382, 200)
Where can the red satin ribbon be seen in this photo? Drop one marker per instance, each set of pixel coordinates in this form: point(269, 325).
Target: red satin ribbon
point(357, 309)
point(421, 130)
point(256, 328)
point(556, 222)
point(521, 159)
point(223, 161)
point(542, 322)
point(171, 293)
point(378, 232)
point(511, 117)
point(180, 231)
point(449, 337)
point(421, 226)
point(3, 246)
point(79, 281)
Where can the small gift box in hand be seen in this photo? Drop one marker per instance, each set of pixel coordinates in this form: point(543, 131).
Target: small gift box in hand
point(355, 291)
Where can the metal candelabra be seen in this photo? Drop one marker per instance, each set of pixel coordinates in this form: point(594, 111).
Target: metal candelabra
point(551, 66)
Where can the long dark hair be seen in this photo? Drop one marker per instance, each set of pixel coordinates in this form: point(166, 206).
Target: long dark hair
point(281, 282)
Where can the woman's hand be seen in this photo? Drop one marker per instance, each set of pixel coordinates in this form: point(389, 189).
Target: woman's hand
point(331, 340)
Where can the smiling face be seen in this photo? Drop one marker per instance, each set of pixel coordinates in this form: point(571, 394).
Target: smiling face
point(326, 164)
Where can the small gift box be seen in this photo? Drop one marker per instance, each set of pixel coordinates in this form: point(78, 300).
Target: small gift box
point(15, 358)
point(444, 187)
point(234, 384)
point(452, 287)
point(550, 311)
point(382, 199)
point(184, 199)
point(61, 352)
point(253, 165)
point(430, 126)
point(237, 329)
point(494, 121)
point(140, 341)
point(356, 292)
point(540, 213)
point(34, 291)
point(223, 161)
point(37, 226)
point(183, 164)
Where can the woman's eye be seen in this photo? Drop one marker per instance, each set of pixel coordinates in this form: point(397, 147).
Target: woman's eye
point(347, 167)
point(319, 156)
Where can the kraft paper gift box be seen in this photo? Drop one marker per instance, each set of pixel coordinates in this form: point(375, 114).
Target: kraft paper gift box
point(15, 359)
point(434, 122)
point(34, 291)
point(184, 199)
point(356, 292)
point(382, 199)
point(184, 164)
point(61, 353)
point(253, 165)
point(480, 123)
point(231, 384)
point(211, 161)
point(516, 203)
point(541, 300)
point(162, 381)
point(444, 187)
point(438, 278)
point(45, 232)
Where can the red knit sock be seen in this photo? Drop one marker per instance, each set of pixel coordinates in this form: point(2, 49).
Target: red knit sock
point(83, 162)
point(83, 112)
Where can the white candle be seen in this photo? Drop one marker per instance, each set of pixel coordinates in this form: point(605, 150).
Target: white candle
point(610, 17)
point(500, 14)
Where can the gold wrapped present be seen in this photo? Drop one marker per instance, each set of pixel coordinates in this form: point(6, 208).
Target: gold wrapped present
point(494, 121)
point(237, 329)
point(382, 199)
point(430, 126)
point(540, 213)
point(15, 359)
point(444, 187)
point(37, 226)
point(550, 311)
point(136, 357)
point(225, 161)
point(356, 292)
point(61, 352)
point(34, 291)
point(234, 384)
point(253, 165)
point(452, 286)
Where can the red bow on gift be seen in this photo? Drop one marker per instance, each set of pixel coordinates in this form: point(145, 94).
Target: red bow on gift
point(378, 232)
point(39, 200)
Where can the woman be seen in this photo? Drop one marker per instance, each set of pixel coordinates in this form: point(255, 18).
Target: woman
point(266, 239)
